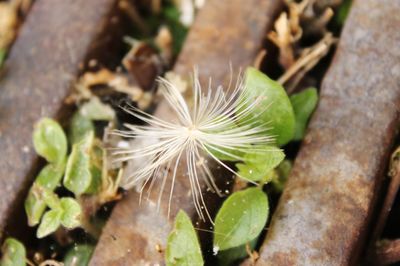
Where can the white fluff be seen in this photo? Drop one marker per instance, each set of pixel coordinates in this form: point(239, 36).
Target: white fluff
point(205, 125)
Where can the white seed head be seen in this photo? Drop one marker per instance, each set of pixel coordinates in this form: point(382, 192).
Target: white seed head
point(206, 127)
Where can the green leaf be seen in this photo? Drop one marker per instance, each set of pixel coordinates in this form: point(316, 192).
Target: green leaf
point(14, 253)
point(342, 12)
point(38, 199)
point(72, 213)
point(50, 198)
point(241, 218)
point(259, 163)
point(94, 109)
point(177, 29)
point(78, 255)
point(303, 104)
point(183, 246)
point(50, 222)
point(79, 127)
point(233, 255)
point(3, 54)
point(273, 106)
point(49, 177)
point(78, 176)
point(281, 176)
point(50, 141)
point(96, 182)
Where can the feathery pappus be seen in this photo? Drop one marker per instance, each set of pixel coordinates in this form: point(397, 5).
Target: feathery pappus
point(213, 125)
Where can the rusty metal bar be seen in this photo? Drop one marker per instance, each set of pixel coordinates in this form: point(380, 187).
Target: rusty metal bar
point(54, 43)
point(224, 32)
point(324, 212)
point(387, 253)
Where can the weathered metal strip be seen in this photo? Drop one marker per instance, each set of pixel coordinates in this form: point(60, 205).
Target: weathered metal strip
point(52, 48)
point(324, 212)
point(225, 32)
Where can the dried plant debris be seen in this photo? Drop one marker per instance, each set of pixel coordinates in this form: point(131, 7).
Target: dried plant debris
point(104, 83)
point(144, 63)
point(304, 20)
point(306, 60)
point(11, 14)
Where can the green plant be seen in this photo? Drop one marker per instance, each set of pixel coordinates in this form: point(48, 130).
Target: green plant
point(244, 214)
point(78, 255)
point(182, 246)
point(14, 253)
point(83, 171)
point(3, 54)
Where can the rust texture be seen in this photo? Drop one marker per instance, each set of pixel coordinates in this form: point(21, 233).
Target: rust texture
point(57, 38)
point(387, 253)
point(224, 32)
point(324, 212)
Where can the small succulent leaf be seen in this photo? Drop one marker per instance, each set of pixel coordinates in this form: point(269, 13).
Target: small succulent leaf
point(50, 198)
point(37, 201)
point(303, 104)
point(78, 255)
point(96, 159)
point(94, 109)
point(273, 105)
point(49, 177)
point(14, 253)
point(78, 176)
point(79, 127)
point(50, 141)
point(183, 246)
point(50, 222)
point(71, 213)
point(241, 218)
point(96, 183)
point(258, 163)
point(34, 206)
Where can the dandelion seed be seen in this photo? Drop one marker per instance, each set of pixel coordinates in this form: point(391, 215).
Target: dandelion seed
point(216, 124)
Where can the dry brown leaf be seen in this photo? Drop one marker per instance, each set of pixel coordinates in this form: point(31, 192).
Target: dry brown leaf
point(117, 82)
point(143, 63)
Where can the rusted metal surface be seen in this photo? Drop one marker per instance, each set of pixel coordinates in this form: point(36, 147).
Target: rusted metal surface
point(57, 38)
point(388, 252)
point(382, 217)
point(324, 212)
point(224, 32)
